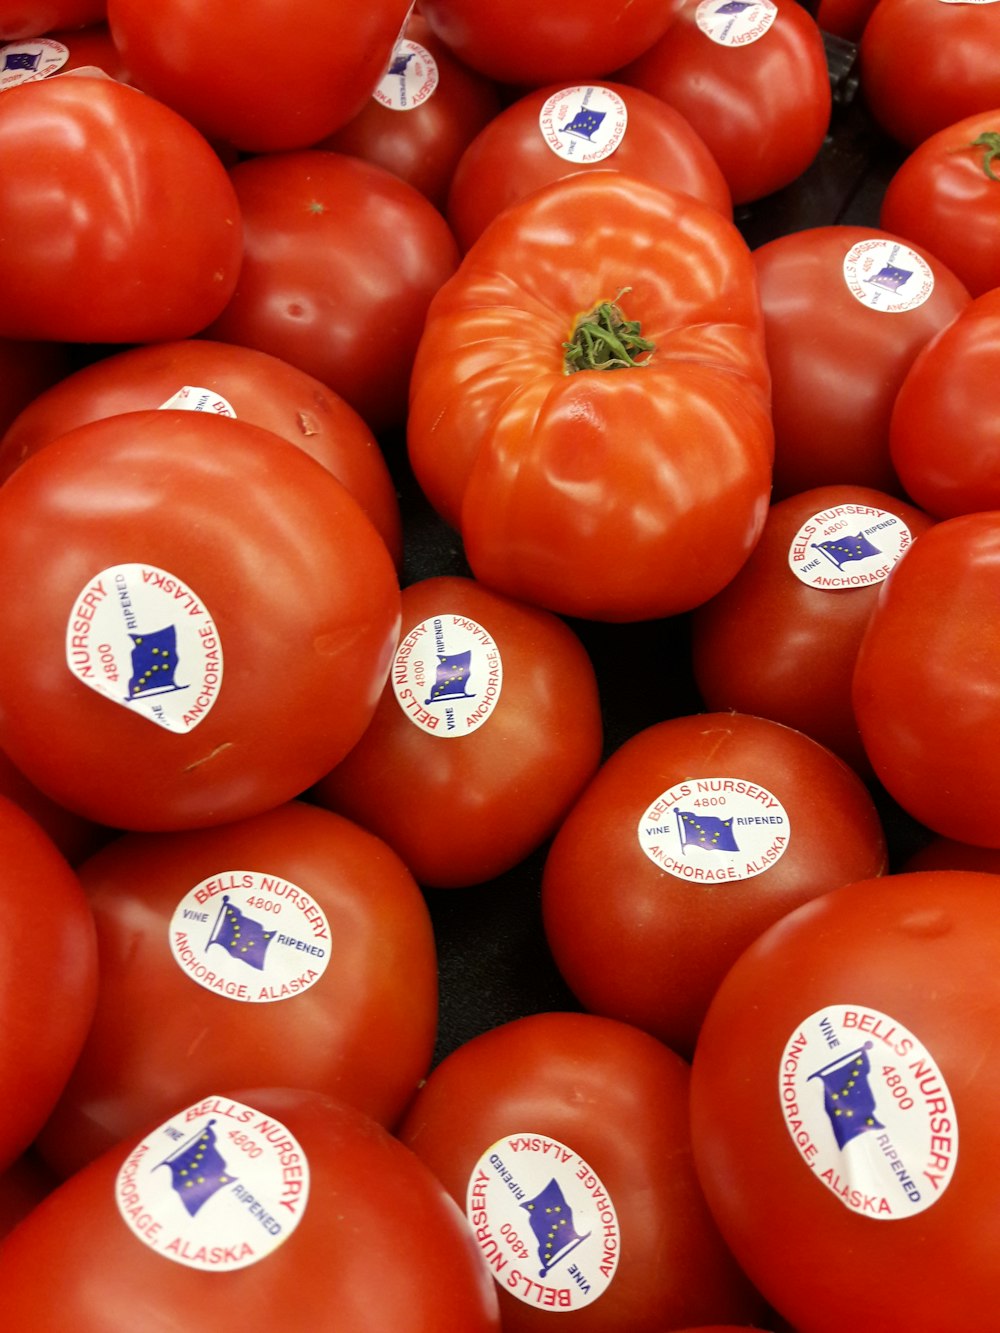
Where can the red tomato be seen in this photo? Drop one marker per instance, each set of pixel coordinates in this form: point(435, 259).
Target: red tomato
point(487, 730)
point(421, 117)
point(342, 997)
point(216, 377)
point(520, 42)
point(74, 836)
point(543, 136)
point(48, 977)
point(307, 1212)
point(209, 546)
point(752, 82)
point(341, 261)
point(249, 83)
point(925, 64)
point(695, 835)
point(926, 693)
point(780, 640)
point(26, 368)
point(125, 229)
point(844, 18)
point(943, 431)
point(841, 1105)
point(23, 1185)
point(618, 493)
point(945, 196)
point(33, 18)
point(846, 310)
point(60, 52)
point(947, 854)
point(581, 1113)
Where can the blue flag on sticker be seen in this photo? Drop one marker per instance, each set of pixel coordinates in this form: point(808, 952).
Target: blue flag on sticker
point(22, 60)
point(585, 123)
point(552, 1224)
point(709, 831)
point(399, 62)
point(844, 550)
point(451, 677)
point(847, 1096)
point(891, 277)
point(240, 935)
point(198, 1170)
point(154, 661)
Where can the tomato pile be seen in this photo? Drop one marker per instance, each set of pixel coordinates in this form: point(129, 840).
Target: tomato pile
point(500, 673)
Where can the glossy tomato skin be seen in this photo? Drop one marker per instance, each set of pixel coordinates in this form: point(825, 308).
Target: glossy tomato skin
point(353, 1015)
point(944, 197)
point(783, 646)
point(611, 1097)
point(23, 1185)
point(614, 495)
point(464, 808)
point(943, 430)
point(904, 970)
point(360, 1181)
point(74, 836)
point(48, 976)
point(290, 590)
point(519, 43)
point(643, 922)
point(512, 155)
point(35, 18)
point(762, 106)
point(947, 854)
point(837, 361)
point(926, 695)
point(256, 386)
point(924, 65)
point(327, 283)
point(420, 135)
point(124, 226)
point(272, 91)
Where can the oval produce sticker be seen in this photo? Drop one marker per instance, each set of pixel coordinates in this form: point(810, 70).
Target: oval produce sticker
point(412, 77)
point(583, 124)
point(886, 275)
point(869, 1111)
point(250, 937)
point(847, 546)
point(219, 1186)
point(36, 58)
point(144, 639)
point(709, 830)
point(190, 398)
point(447, 675)
point(544, 1222)
point(735, 22)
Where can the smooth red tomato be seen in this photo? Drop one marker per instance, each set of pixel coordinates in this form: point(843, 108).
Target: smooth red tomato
point(48, 976)
point(202, 375)
point(696, 834)
point(26, 368)
point(555, 131)
point(751, 80)
point(943, 431)
point(947, 854)
point(841, 1105)
point(522, 43)
point(254, 83)
point(925, 64)
point(946, 196)
point(926, 692)
point(306, 1215)
point(422, 116)
point(33, 18)
point(341, 261)
point(486, 732)
point(846, 310)
point(214, 634)
point(74, 836)
point(294, 935)
point(617, 491)
point(844, 18)
point(780, 640)
point(23, 1185)
point(586, 1120)
point(124, 226)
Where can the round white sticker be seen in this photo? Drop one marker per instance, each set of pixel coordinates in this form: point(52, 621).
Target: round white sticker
point(447, 675)
point(886, 275)
point(709, 830)
point(250, 937)
point(192, 399)
point(143, 638)
point(583, 124)
point(847, 546)
point(735, 22)
point(544, 1222)
point(218, 1186)
point(36, 58)
point(412, 77)
point(869, 1111)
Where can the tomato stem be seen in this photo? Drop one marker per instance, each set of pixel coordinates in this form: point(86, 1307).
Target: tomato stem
point(604, 339)
point(990, 140)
